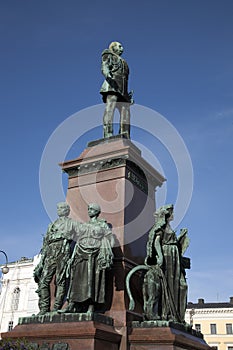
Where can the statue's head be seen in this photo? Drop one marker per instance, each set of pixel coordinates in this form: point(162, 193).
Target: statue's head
point(93, 209)
point(164, 214)
point(63, 209)
point(116, 47)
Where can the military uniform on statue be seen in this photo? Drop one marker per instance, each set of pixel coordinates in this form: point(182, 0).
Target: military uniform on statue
point(115, 90)
point(55, 253)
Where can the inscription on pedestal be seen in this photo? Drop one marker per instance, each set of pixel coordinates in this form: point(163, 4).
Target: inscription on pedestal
point(137, 181)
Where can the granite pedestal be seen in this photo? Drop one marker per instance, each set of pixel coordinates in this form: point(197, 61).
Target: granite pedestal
point(146, 336)
point(112, 173)
point(67, 332)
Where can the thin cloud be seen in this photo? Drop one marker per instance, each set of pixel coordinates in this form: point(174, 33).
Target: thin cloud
point(205, 284)
point(225, 114)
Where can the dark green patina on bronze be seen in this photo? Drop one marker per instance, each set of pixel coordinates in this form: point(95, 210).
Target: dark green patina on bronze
point(164, 287)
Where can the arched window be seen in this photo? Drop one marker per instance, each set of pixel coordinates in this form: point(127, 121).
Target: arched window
point(15, 299)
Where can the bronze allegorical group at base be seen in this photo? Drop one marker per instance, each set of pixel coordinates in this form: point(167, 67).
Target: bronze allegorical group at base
point(92, 255)
point(164, 287)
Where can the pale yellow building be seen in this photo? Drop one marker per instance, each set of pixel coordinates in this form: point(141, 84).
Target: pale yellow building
point(214, 321)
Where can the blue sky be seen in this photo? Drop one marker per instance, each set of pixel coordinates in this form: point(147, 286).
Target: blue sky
point(180, 55)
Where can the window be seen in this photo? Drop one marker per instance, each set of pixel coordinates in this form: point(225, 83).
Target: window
point(229, 328)
point(198, 327)
point(213, 328)
point(10, 326)
point(230, 348)
point(15, 299)
point(214, 347)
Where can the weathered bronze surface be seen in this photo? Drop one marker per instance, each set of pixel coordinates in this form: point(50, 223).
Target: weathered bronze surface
point(115, 89)
point(164, 286)
point(65, 318)
point(91, 257)
point(54, 256)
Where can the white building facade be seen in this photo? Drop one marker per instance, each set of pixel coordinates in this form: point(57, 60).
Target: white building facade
point(18, 297)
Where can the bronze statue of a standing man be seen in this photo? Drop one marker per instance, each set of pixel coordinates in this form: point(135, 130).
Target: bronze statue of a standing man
point(115, 89)
point(55, 254)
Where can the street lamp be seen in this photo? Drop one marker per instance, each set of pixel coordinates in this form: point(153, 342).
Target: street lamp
point(5, 268)
point(191, 313)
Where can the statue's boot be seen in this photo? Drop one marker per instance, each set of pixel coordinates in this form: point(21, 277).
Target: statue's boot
point(156, 317)
point(59, 300)
point(125, 130)
point(42, 312)
point(44, 301)
point(69, 309)
point(108, 130)
point(90, 309)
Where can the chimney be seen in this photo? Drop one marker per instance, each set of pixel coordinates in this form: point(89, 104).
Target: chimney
point(201, 301)
point(231, 300)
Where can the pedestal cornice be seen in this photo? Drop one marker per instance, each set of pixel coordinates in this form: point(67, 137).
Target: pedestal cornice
point(109, 155)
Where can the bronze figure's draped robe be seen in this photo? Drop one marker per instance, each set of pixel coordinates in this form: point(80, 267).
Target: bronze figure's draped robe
point(164, 286)
point(91, 257)
point(165, 258)
point(176, 288)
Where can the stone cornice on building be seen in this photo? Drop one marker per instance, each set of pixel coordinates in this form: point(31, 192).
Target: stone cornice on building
point(212, 311)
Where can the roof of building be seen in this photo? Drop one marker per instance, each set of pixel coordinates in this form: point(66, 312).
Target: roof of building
point(202, 305)
point(23, 259)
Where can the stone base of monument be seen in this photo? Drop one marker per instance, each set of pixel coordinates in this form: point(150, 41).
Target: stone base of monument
point(67, 332)
point(163, 335)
